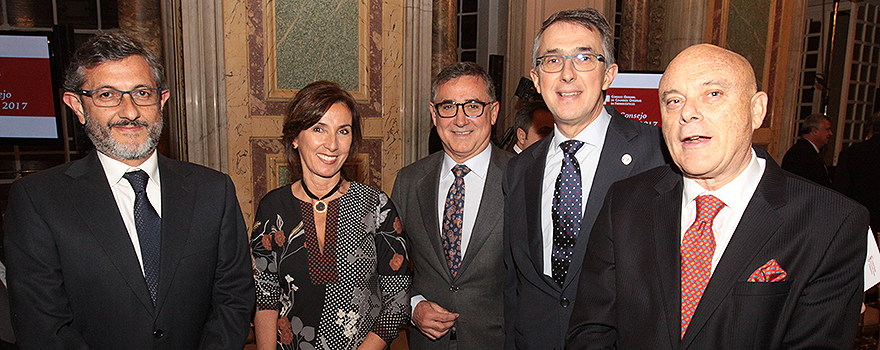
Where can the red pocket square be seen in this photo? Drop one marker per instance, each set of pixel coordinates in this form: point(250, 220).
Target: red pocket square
point(770, 272)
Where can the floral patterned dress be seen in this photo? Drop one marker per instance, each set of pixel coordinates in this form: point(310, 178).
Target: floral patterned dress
point(331, 300)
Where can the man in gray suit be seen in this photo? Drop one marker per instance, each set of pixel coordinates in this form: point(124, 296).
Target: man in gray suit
point(554, 189)
point(450, 207)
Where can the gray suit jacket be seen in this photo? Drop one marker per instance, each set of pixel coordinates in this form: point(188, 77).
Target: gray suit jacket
point(537, 310)
point(75, 281)
point(475, 292)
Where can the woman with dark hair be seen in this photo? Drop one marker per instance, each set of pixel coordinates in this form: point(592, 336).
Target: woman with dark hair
point(330, 261)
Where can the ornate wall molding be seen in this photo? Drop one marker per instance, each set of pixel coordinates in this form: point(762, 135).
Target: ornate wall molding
point(304, 59)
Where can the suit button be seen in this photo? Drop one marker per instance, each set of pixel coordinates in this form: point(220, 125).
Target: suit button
point(158, 334)
point(564, 302)
point(453, 289)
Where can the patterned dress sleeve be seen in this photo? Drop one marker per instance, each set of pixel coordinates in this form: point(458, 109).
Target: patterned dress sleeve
point(265, 267)
point(394, 273)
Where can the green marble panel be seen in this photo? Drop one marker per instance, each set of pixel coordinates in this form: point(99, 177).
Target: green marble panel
point(747, 32)
point(316, 40)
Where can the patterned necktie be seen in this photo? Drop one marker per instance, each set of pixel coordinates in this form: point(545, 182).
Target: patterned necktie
point(453, 215)
point(697, 249)
point(566, 212)
point(149, 226)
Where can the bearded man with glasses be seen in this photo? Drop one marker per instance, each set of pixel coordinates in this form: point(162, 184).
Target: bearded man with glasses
point(450, 206)
point(554, 190)
point(125, 248)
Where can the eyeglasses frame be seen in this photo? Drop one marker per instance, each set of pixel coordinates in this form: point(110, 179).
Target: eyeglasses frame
point(460, 106)
point(122, 94)
point(599, 58)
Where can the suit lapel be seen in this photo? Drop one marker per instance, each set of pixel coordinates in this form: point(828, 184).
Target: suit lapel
point(535, 176)
point(666, 212)
point(758, 223)
point(489, 215)
point(609, 170)
point(178, 201)
point(92, 198)
point(427, 186)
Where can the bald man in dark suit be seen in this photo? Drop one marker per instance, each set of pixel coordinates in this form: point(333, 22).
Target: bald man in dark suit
point(723, 250)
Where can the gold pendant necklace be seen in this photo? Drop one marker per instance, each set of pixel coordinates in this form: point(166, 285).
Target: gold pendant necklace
point(319, 205)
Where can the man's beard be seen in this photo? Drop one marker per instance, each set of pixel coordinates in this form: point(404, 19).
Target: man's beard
point(105, 142)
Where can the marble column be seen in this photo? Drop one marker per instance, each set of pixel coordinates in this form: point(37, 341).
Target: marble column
point(685, 25)
point(143, 18)
point(444, 49)
point(641, 34)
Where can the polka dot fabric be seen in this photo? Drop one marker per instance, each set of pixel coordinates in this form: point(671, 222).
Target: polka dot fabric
point(322, 269)
point(697, 249)
point(148, 225)
point(566, 212)
point(369, 262)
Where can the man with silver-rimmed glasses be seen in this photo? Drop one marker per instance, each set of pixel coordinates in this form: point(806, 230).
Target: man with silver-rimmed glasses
point(126, 249)
point(554, 190)
point(451, 210)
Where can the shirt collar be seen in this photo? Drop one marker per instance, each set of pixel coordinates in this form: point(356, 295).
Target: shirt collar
point(812, 144)
point(737, 193)
point(593, 134)
point(114, 169)
point(479, 164)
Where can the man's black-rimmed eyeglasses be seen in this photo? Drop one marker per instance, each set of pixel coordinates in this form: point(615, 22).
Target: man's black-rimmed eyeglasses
point(583, 62)
point(472, 109)
point(108, 97)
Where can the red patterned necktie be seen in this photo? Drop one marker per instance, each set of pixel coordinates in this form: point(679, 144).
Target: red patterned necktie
point(453, 215)
point(697, 249)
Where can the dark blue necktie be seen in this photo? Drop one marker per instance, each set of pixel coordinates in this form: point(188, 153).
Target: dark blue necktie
point(453, 215)
point(566, 210)
point(149, 228)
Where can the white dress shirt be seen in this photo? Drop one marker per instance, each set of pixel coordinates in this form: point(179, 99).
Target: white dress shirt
point(124, 194)
point(474, 182)
point(736, 196)
point(593, 137)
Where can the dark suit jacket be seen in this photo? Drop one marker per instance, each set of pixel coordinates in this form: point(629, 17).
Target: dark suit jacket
point(75, 281)
point(537, 310)
point(630, 290)
point(803, 160)
point(475, 292)
point(857, 175)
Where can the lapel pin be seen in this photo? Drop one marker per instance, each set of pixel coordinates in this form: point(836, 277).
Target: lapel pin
point(626, 159)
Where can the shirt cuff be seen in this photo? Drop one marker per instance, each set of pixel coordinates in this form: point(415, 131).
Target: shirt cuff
point(415, 300)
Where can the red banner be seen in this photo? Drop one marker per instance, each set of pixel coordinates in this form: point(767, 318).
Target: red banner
point(26, 87)
point(635, 95)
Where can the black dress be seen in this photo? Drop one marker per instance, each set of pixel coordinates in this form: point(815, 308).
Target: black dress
point(359, 284)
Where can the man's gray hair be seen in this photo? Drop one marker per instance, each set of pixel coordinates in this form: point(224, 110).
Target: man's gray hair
point(814, 121)
point(109, 46)
point(463, 69)
point(586, 17)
